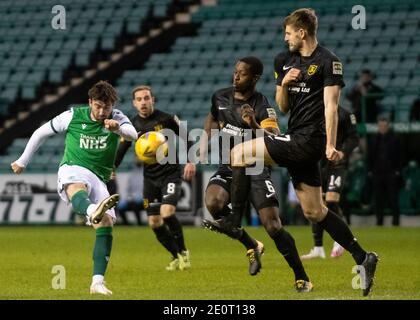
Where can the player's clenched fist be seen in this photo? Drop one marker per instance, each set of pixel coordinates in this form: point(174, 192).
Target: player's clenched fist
point(291, 76)
point(16, 168)
point(248, 115)
point(111, 125)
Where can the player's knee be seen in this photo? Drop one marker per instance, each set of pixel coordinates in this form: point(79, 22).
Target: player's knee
point(214, 205)
point(271, 222)
point(313, 214)
point(272, 227)
point(155, 221)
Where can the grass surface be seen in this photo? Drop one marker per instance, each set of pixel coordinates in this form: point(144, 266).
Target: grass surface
point(219, 271)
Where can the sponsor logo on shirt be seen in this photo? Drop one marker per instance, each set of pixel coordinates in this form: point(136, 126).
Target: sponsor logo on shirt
point(337, 68)
point(92, 142)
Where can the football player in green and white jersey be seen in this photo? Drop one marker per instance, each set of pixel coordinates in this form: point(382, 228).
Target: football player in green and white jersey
point(92, 135)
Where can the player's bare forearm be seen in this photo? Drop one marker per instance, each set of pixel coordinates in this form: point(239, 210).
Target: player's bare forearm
point(331, 97)
point(282, 99)
point(331, 120)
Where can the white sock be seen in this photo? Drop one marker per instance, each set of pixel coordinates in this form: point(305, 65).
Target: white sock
point(97, 278)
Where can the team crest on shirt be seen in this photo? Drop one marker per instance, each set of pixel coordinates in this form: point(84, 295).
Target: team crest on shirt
point(276, 75)
point(312, 69)
point(158, 127)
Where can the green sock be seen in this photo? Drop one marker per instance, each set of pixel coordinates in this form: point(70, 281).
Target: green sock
point(80, 202)
point(102, 250)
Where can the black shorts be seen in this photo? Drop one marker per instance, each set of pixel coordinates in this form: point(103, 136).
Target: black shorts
point(300, 154)
point(333, 178)
point(165, 190)
point(262, 194)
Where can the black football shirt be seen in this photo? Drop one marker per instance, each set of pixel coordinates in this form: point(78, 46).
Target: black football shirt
point(306, 97)
point(227, 111)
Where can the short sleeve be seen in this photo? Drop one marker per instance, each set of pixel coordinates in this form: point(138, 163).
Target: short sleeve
point(333, 72)
point(61, 122)
point(265, 115)
point(279, 72)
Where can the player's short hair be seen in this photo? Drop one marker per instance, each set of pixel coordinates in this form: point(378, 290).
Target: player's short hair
point(255, 65)
point(142, 87)
point(304, 18)
point(103, 91)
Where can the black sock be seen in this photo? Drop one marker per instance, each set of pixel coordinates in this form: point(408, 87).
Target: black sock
point(166, 239)
point(239, 191)
point(334, 207)
point(176, 229)
point(287, 247)
point(247, 240)
point(317, 233)
point(342, 234)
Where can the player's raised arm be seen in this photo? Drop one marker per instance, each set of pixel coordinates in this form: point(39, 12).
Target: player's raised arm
point(121, 125)
point(284, 75)
point(54, 126)
point(331, 97)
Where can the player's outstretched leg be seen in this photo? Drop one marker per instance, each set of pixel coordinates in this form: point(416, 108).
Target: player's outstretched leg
point(217, 199)
point(84, 207)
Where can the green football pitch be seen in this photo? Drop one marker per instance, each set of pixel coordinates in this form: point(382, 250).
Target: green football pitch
point(219, 266)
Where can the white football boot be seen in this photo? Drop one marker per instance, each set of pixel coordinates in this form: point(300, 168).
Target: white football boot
point(99, 287)
point(316, 252)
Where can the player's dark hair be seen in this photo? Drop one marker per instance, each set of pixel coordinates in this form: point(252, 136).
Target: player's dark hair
point(142, 87)
point(304, 18)
point(255, 65)
point(104, 92)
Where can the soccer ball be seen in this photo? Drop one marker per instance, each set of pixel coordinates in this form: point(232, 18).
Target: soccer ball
point(151, 147)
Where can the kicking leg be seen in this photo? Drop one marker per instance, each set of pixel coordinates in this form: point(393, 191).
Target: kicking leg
point(217, 199)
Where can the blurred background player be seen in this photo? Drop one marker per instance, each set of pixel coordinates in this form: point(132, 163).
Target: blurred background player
point(92, 134)
point(385, 170)
point(333, 176)
point(162, 183)
point(226, 108)
point(309, 82)
point(366, 92)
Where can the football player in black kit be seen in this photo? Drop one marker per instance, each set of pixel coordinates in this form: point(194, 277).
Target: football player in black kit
point(333, 176)
point(162, 183)
point(225, 114)
point(309, 82)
